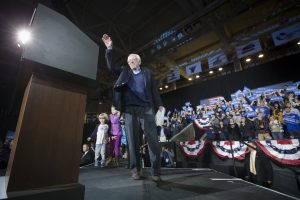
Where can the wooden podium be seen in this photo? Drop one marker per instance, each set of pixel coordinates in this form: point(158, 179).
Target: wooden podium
point(46, 152)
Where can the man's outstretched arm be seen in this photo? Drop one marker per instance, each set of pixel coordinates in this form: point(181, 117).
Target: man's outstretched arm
point(109, 55)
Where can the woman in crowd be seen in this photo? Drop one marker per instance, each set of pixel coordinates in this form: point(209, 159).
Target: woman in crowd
point(222, 131)
point(233, 131)
point(247, 129)
point(262, 126)
point(276, 111)
point(276, 128)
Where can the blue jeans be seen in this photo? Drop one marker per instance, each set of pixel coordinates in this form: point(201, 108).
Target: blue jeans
point(100, 149)
point(277, 135)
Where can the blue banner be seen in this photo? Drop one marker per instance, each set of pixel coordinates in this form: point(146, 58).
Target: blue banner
point(217, 60)
point(250, 48)
point(193, 69)
point(287, 34)
point(173, 75)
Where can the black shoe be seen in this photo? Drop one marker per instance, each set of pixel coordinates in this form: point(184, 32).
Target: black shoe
point(136, 176)
point(156, 178)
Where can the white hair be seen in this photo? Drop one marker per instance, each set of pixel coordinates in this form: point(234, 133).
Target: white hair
point(136, 56)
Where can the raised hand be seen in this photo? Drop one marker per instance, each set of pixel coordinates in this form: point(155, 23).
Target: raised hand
point(107, 41)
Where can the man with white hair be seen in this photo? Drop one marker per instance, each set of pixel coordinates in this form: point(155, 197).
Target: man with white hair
point(136, 94)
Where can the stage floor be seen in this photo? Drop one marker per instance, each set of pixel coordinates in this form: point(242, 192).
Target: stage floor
point(178, 183)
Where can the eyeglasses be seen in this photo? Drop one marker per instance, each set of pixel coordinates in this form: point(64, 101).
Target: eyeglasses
point(101, 118)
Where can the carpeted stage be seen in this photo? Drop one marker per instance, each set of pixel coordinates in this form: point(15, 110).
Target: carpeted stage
point(178, 183)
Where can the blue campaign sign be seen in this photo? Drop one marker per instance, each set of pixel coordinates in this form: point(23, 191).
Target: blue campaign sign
point(252, 98)
point(269, 91)
point(297, 92)
point(252, 114)
point(264, 109)
point(187, 103)
point(291, 88)
point(276, 99)
point(246, 92)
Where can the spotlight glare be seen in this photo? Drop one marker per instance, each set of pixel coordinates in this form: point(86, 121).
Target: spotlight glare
point(211, 72)
point(197, 76)
point(261, 55)
point(160, 88)
point(166, 86)
point(220, 69)
point(298, 43)
point(190, 79)
point(248, 59)
point(24, 36)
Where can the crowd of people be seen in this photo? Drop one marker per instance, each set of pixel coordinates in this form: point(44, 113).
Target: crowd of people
point(268, 116)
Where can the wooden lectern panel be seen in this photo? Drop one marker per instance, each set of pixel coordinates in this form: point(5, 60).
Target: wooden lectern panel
point(48, 138)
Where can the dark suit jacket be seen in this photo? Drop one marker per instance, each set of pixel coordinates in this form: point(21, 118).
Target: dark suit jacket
point(87, 158)
point(121, 86)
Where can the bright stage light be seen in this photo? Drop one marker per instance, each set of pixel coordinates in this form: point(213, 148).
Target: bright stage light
point(24, 36)
point(211, 72)
point(261, 55)
point(160, 88)
point(190, 79)
point(248, 59)
point(220, 69)
point(197, 76)
point(166, 86)
point(298, 43)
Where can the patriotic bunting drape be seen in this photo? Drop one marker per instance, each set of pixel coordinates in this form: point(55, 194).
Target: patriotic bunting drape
point(192, 149)
point(223, 149)
point(284, 151)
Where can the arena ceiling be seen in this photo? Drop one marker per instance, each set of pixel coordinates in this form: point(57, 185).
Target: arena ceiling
point(164, 32)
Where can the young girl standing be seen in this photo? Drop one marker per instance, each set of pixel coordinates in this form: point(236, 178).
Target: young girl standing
point(116, 133)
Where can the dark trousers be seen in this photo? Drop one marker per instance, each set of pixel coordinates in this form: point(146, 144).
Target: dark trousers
point(139, 120)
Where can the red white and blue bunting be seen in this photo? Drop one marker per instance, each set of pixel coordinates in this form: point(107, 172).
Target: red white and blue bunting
point(223, 149)
point(202, 123)
point(192, 149)
point(284, 151)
